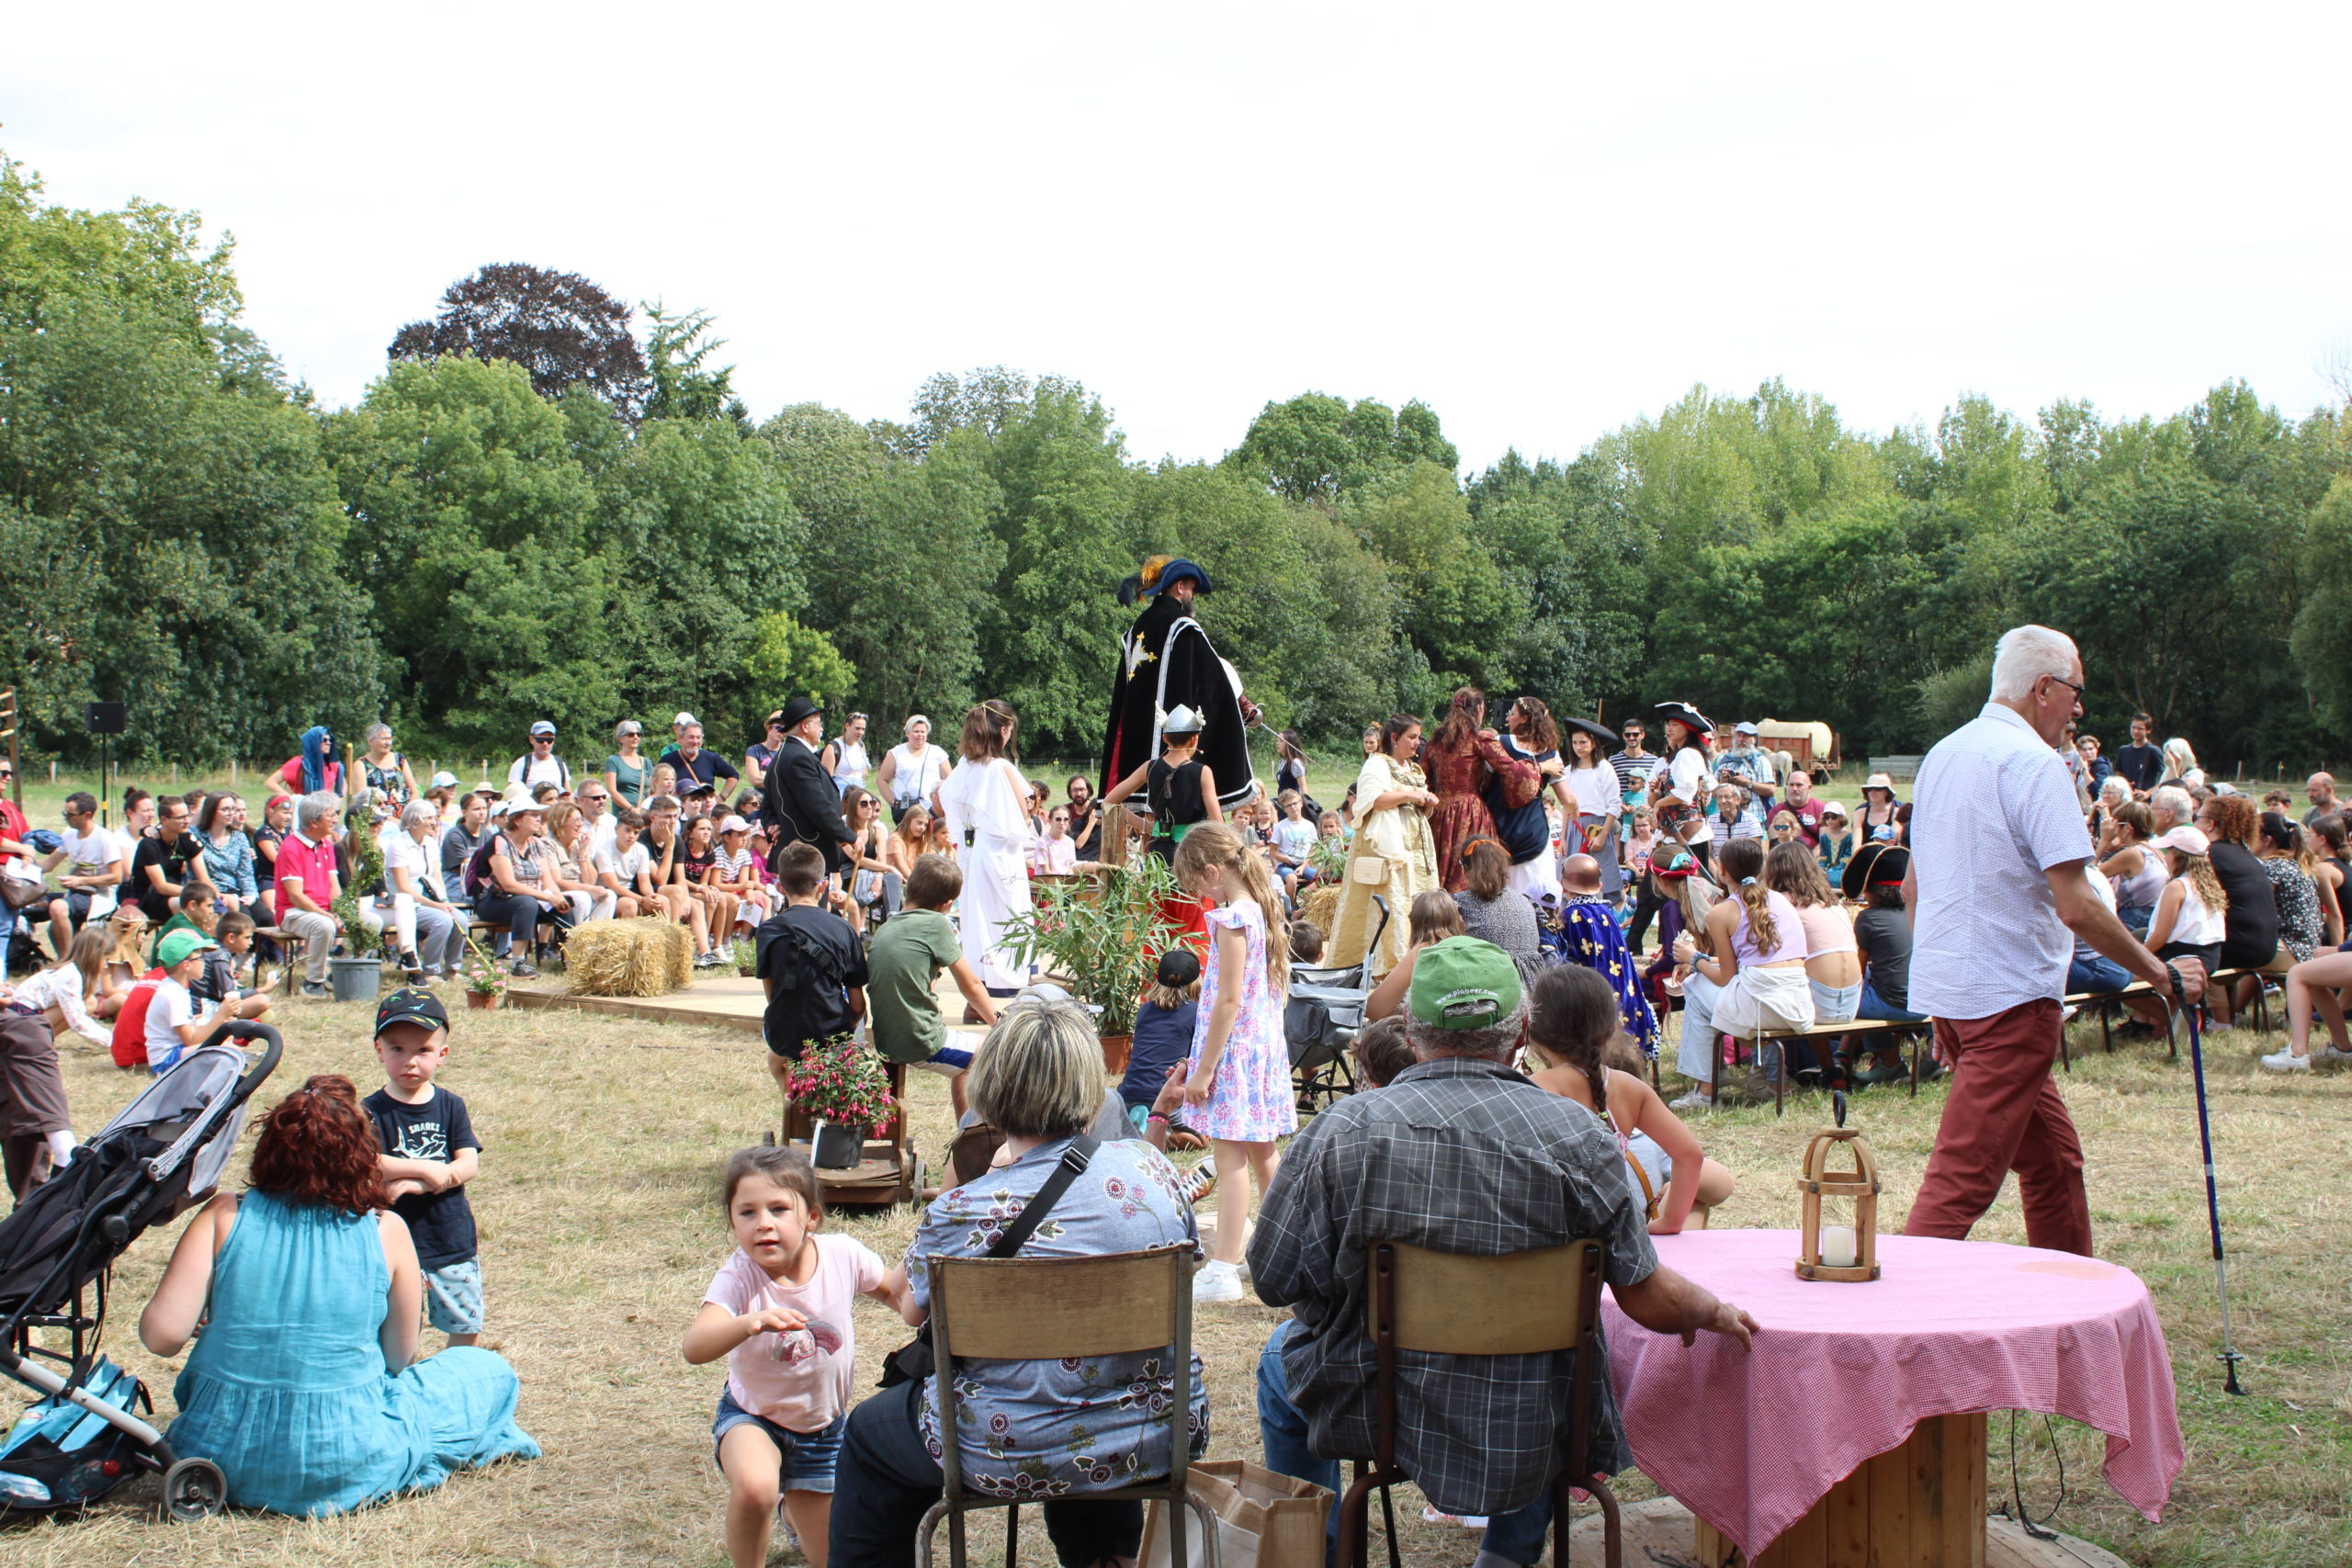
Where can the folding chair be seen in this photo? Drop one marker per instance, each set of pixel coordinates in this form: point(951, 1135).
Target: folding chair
point(1039, 1309)
point(1451, 1304)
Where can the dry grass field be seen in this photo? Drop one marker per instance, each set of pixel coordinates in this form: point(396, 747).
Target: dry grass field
point(600, 1227)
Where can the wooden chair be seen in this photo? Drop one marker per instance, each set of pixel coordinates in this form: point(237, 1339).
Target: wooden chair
point(1037, 1309)
point(1454, 1304)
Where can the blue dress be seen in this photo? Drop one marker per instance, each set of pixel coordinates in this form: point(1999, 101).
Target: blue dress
point(286, 1390)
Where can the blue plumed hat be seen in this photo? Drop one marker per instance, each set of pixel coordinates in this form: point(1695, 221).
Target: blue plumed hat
point(1158, 573)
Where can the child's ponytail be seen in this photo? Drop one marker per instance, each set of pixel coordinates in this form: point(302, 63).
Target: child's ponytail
point(1742, 866)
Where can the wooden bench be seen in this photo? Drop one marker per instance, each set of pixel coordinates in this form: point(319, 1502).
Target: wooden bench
point(2105, 1000)
point(290, 949)
point(1778, 1040)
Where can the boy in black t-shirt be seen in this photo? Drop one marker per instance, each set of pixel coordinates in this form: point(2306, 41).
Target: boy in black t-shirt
point(430, 1153)
point(811, 964)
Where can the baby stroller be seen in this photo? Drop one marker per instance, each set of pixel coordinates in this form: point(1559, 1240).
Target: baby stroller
point(1320, 1020)
point(161, 1157)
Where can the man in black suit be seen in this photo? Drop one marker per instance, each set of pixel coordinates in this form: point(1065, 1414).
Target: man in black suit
point(798, 796)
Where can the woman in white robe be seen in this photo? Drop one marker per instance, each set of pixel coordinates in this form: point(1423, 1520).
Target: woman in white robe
point(987, 803)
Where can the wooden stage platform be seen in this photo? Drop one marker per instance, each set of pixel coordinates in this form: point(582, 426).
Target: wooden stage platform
point(720, 999)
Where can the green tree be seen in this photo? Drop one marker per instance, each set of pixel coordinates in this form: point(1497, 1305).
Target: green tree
point(789, 660)
point(684, 386)
point(471, 519)
point(1317, 448)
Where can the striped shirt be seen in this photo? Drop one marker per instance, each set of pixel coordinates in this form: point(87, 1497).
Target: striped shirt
point(1995, 810)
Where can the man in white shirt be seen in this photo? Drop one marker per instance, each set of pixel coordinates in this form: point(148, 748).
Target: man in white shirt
point(1745, 760)
point(100, 858)
point(1999, 897)
point(540, 765)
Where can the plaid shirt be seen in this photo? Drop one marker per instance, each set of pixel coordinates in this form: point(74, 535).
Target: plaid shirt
point(1455, 1155)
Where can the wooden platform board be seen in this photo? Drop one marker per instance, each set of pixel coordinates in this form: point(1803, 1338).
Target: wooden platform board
point(724, 1001)
point(1658, 1535)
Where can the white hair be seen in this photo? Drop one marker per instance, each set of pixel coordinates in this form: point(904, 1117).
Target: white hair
point(2115, 790)
point(312, 807)
point(383, 729)
point(2179, 760)
point(418, 814)
point(913, 719)
point(2024, 655)
point(2178, 802)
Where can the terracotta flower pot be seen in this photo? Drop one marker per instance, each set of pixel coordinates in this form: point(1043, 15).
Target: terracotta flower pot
point(1114, 1052)
point(483, 999)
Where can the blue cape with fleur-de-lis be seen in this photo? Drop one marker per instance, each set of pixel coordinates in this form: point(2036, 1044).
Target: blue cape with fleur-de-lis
point(1596, 942)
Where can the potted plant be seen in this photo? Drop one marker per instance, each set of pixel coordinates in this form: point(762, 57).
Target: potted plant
point(842, 1085)
point(1101, 938)
point(485, 981)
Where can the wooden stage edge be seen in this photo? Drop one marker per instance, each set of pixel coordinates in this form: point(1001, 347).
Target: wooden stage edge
point(1658, 1535)
point(720, 1011)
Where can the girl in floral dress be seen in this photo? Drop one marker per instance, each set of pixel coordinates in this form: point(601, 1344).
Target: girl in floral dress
point(1237, 1091)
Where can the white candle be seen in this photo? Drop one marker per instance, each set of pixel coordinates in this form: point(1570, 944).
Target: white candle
point(1837, 1246)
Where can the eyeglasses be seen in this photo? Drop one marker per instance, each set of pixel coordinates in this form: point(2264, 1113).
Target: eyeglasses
point(595, 799)
point(2069, 685)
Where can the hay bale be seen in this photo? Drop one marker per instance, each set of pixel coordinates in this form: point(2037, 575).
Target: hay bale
point(644, 957)
point(1321, 905)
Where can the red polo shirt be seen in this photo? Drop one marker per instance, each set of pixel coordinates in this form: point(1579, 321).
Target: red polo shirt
point(314, 864)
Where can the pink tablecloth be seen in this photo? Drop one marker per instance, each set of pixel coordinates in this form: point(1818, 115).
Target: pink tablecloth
point(1750, 1442)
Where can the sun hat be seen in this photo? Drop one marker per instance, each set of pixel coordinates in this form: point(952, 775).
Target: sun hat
point(180, 946)
point(734, 824)
point(2184, 838)
point(1831, 809)
point(1880, 781)
point(410, 1004)
point(1464, 983)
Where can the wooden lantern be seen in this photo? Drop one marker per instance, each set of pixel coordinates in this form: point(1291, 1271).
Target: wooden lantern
point(1858, 1185)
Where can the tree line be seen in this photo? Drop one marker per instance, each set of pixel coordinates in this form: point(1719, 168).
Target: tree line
point(532, 514)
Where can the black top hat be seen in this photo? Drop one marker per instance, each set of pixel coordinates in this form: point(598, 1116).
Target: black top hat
point(1874, 863)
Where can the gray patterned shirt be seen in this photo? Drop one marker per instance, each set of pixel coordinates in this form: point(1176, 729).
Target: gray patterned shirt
point(1455, 1155)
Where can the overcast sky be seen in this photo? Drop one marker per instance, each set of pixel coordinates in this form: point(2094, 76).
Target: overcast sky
point(1542, 220)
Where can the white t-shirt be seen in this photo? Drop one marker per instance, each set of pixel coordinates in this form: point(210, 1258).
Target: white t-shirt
point(424, 868)
point(89, 854)
point(807, 1388)
point(168, 1009)
point(549, 769)
point(1295, 839)
point(600, 838)
point(626, 866)
point(851, 765)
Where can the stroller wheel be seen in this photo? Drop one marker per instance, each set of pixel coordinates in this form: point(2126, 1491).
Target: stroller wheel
point(194, 1489)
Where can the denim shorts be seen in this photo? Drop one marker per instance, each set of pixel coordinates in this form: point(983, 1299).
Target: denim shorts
point(453, 1296)
point(808, 1456)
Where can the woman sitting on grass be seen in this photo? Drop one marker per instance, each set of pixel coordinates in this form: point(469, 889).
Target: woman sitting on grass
point(1572, 1026)
point(305, 1388)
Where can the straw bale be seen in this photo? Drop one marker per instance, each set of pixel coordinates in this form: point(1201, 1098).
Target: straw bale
point(643, 957)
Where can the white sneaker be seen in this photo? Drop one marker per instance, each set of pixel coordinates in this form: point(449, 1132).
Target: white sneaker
point(1218, 1282)
point(2330, 1054)
point(1693, 1101)
point(2287, 1062)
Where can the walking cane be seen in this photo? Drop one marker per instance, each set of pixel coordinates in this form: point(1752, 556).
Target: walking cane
point(2229, 1357)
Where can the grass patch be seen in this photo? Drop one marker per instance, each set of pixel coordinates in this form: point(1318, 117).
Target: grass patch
point(598, 1207)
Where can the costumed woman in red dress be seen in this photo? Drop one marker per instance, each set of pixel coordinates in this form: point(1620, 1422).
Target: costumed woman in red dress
point(1460, 760)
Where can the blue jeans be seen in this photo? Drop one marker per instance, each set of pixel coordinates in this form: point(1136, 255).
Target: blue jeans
point(2098, 974)
point(1871, 1006)
point(1518, 1535)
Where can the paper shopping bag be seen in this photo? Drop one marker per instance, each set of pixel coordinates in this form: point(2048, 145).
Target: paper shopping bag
point(1263, 1520)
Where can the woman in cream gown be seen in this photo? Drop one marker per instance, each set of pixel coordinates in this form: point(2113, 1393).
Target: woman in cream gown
point(987, 803)
point(1393, 802)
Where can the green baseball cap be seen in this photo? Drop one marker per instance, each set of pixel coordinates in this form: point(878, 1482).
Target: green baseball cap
point(1464, 983)
point(177, 947)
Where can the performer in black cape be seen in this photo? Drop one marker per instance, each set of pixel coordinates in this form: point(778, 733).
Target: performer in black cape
point(1166, 662)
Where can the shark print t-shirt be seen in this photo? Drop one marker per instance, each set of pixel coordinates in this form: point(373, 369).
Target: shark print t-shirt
point(441, 1223)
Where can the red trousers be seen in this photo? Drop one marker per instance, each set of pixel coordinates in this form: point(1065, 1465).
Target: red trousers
point(2004, 1114)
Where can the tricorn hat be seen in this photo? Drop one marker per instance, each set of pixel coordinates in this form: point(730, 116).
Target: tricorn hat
point(1686, 716)
point(1874, 863)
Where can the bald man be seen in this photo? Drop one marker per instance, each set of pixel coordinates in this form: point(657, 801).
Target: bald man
point(2320, 790)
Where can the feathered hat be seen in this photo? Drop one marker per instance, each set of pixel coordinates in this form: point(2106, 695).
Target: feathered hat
point(1158, 573)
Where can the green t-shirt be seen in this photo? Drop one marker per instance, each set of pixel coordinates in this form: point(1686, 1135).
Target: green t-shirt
point(630, 783)
point(901, 961)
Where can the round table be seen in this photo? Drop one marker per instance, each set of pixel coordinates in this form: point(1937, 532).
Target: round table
point(1854, 1431)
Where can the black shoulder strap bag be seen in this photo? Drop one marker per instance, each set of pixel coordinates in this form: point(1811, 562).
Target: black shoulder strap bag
point(913, 1359)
